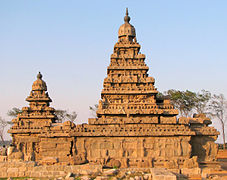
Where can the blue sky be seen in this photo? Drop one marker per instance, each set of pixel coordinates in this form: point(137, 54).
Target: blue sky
point(70, 42)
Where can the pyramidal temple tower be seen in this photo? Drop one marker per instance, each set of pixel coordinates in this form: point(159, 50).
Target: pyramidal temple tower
point(32, 121)
point(38, 114)
point(129, 95)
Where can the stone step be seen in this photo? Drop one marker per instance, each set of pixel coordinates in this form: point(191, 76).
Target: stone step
point(195, 177)
point(222, 154)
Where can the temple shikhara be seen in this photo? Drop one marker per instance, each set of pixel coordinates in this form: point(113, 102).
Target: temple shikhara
point(134, 126)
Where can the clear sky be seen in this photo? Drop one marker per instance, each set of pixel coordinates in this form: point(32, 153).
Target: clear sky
point(70, 42)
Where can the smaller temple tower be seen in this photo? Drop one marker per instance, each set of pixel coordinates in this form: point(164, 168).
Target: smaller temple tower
point(33, 119)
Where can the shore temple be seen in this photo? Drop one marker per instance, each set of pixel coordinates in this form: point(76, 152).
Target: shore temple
point(134, 127)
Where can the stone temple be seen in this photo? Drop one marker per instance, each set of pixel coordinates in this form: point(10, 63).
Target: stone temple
point(134, 127)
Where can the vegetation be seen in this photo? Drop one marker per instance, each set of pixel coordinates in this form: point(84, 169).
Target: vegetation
point(14, 112)
point(64, 115)
point(3, 124)
point(188, 103)
point(218, 109)
point(184, 101)
point(93, 110)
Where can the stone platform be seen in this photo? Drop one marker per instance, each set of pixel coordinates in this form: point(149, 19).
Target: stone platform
point(222, 154)
point(92, 171)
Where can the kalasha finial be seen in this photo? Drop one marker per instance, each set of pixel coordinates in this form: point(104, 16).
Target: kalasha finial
point(39, 76)
point(127, 18)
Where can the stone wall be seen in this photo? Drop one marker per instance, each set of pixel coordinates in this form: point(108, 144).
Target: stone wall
point(135, 152)
point(30, 169)
point(56, 149)
point(123, 145)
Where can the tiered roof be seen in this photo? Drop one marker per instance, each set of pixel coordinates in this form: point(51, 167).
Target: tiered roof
point(38, 114)
point(129, 94)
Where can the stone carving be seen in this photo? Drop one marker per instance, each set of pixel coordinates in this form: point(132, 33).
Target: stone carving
point(16, 156)
point(191, 163)
point(3, 151)
point(133, 128)
point(112, 163)
point(80, 159)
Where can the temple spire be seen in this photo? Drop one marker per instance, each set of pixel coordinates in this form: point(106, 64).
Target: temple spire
point(39, 76)
point(39, 84)
point(126, 31)
point(127, 18)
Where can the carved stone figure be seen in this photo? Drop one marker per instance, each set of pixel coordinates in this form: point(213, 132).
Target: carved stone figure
point(80, 159)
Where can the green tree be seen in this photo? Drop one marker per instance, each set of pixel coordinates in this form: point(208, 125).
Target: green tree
point(14, 112)
point(184, 101)
point(202, 102)
point(64, 115)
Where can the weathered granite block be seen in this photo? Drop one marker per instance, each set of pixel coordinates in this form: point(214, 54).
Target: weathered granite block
point(162, 174)
point(190, 171)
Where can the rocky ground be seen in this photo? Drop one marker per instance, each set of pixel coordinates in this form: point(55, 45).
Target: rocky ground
point(130, 174)
point(94, 172)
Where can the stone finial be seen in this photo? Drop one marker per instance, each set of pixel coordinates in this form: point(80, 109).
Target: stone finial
point(39, 84)
point(127, 29)
point(127, 18)
point(39, 76)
